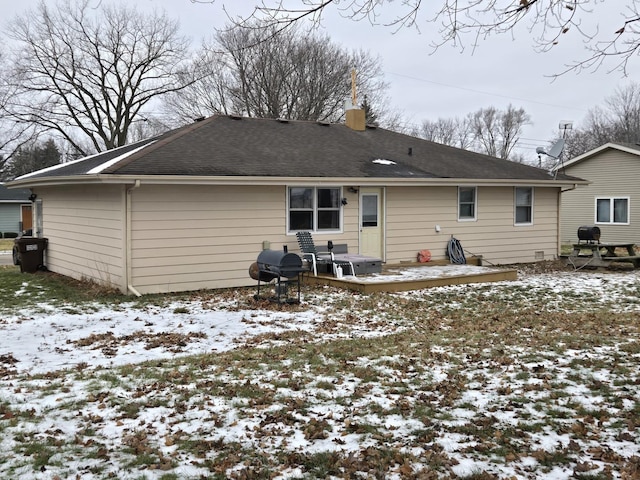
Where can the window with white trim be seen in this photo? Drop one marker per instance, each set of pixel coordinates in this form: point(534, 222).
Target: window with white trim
point(523, 205)
point(614, 210)
point(314, 209)
point(467, 203)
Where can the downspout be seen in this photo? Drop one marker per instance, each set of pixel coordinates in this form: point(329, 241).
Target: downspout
point(575, 185)
point(130, 287)
point(558, 221)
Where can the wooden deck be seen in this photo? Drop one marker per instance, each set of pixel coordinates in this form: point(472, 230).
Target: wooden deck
point(365, 285)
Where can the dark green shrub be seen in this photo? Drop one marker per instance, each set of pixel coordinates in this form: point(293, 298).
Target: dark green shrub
point(9, 235)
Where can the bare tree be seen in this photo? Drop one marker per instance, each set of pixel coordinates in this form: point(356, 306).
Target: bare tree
point(87, 73)
point(489, 130)
point(13, 134)
point(486, 129)
point(618, 120)
point(455, 132)
point(442, 131)
point(496, 133)
point(577, 142)
point(548, 21)
point(208, 91)
point(623, 113)
point(294, 75)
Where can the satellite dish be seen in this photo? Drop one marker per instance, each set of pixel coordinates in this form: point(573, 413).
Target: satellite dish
point(554, 152)
point(557, 148)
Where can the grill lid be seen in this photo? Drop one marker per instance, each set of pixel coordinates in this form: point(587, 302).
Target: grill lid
point(589, 233)
point(280, 263)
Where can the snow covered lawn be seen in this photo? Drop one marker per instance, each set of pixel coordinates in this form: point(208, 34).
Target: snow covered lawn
point(536, 378)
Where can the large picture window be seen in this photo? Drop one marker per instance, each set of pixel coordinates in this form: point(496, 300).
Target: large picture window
point(612, 210)
point(466, 203)
point(314, 208)
point(524, 206)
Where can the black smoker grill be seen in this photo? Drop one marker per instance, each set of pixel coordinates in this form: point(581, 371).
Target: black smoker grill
point(282, 266)
point(588, 234)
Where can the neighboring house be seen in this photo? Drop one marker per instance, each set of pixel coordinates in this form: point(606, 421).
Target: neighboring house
point(15, 210)
point(192, 208)
point(611, 201)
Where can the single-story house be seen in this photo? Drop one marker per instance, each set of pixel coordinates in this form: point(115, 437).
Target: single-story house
point(15, 211)
point(610, 200)
point(192, 208)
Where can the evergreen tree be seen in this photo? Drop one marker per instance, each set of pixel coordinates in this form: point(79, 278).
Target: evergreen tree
point(30, 159)
point(371, 117)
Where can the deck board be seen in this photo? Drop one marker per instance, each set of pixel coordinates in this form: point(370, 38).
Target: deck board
point(366, 286)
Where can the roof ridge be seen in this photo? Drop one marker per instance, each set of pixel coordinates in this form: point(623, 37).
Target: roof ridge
point(171, 137)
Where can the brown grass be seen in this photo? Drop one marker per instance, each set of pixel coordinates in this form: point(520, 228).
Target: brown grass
point(525, 380)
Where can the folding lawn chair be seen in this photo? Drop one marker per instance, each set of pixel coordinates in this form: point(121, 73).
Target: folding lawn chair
point(311, 253)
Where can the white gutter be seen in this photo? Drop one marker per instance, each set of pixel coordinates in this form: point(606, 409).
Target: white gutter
point(128, 272)
point(573, 187)
point(301, 181)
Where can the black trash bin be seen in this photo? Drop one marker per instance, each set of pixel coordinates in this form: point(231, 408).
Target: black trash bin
point(31, 250)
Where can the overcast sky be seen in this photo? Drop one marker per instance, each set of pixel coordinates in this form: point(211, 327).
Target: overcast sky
point(448, 83)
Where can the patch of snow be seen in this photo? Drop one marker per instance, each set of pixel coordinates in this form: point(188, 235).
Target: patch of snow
point(50, 339)
point(381, 161)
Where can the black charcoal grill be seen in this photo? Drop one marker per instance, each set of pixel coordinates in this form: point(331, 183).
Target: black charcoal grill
point(589, 234)
point(282, 266)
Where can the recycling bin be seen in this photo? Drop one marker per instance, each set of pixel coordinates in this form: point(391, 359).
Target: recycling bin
point(31, 251)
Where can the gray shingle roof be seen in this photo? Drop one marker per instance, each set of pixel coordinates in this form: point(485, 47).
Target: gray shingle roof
point(15, 194)
point(234, 146)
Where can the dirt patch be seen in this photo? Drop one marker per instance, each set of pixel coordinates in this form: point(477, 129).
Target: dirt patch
point(545, 266)
point(6, 365)
point(109, 343)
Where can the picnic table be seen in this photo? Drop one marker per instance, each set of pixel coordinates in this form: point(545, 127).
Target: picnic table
point(603, 254)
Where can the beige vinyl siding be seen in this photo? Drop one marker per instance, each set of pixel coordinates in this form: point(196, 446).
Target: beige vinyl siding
point(84, 225)
point(613, 174)
point(191, 237)
point(199, 237)
point(413, 213)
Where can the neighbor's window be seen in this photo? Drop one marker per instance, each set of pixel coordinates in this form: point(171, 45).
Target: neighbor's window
point(524, 205)
point(466, 203)
point(612, 210)
point(314, 209)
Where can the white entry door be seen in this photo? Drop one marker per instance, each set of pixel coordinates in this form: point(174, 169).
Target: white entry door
point(371, 222)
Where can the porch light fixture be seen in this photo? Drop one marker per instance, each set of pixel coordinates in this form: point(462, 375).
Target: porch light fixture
point(352, 190)
point(344, 201)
